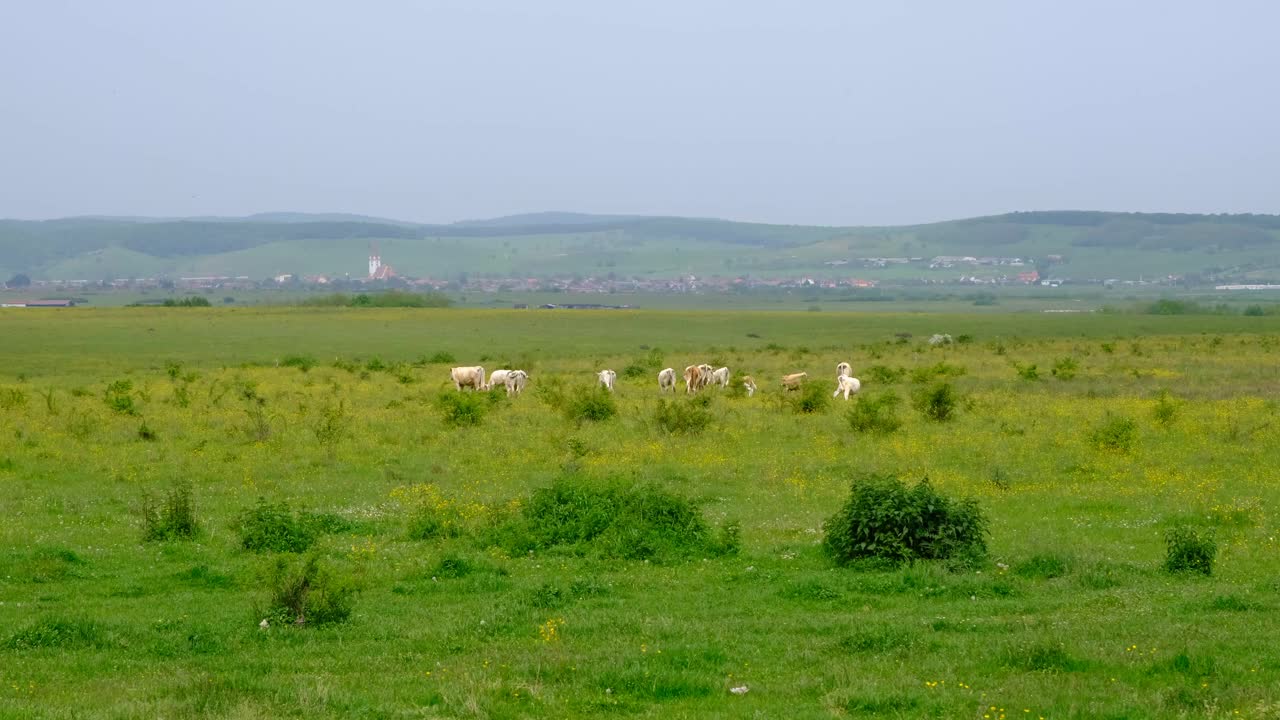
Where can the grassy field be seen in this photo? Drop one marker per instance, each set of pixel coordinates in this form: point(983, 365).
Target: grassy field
point(1128, 426)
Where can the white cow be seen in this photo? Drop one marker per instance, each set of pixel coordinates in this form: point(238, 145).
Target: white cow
point(843, 369)
point(498, 378)
point(667, 380)
point(720, 376)
point(846, 385)
point(472, 377)
point(515, 381)
point(749, 383)
point(705, 371)
point(940, 339)
point(607, 378)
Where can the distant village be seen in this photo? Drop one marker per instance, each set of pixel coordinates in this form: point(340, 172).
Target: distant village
point(970, 270)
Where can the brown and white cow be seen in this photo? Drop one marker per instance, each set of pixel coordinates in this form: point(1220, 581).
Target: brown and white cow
point(794, 380)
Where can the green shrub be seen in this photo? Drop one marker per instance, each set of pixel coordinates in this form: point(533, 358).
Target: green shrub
point(462, 409)
point(1189, 550)
point(1065, 368)
point(635, 371)
point(1255, 311)
point(1117, 433)
point(594, 404)
point(612, 520)
point(1026, 372)
point(306, 594)
point(926, 373)
point(146, 434)
point(302, 362)
point(61, 633)
point(119, 397)
point(885, 375)
point(1165, 411)
point(875, 414)
point(937, 402)
point(190, 301)
point(170, 518)
point(442, 358)
point(812, 398)
point(274, 527)
point(12, 398)
point(687, 417)
point(886, 520)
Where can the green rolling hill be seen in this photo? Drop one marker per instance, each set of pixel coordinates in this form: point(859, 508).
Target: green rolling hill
point(1091, 244)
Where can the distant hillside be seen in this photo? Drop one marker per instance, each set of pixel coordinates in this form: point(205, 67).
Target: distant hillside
point(1082, 243)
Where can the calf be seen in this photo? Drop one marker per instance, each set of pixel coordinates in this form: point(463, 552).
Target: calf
point(720, 377)
point(794, 380)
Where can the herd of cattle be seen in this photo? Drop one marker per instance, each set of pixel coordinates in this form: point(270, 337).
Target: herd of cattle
point(696, 377)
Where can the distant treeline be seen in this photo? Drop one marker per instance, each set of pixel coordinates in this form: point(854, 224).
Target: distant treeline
point(390, 298)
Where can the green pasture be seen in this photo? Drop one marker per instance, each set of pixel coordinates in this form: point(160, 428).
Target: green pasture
point(340, 414)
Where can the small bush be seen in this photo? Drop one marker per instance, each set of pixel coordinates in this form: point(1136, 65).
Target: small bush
point(119, 397)
point(885, 375)
point(146, 434)
point(875, 414)
point(170, 518)
point(886, 520)
point(926, 373)
point(613, 520)
point(937, 402)
point(1189, 550)
point(442, 358)
point(812, 398)
point(12, 398)
point(635, 371)
point(683, 417)
point(274, 527)
point(302, 362)
point(1065, 368)
point(462, 409)
point(1026, 372)
point(332, 425)
point(1165, 411)
point(61, 633)
point(594, 404)
point(1117, 434)
point(306, 595)
point(1255, 311)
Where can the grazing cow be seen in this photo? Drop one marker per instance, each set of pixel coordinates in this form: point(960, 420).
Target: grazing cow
point(706, 371)
point(692, 379)
point(794, 380)
point(749, 383)
point(846, 385)
point(720, 377)
point(844, 370)
point(607, 378)
point(515, 381)
point(498, 378)
point(472, 377)
point(667, 380)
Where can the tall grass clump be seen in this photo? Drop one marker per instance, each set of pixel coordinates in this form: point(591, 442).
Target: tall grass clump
point(683, 417)
point(589, 404)
point(937, 402)
point(172, 517)
point(612, 520)
point(306, 594)
point(302, 362)
point(462, 409)
point(1189, 550)
point(1116, 434)
point(875, 414)
point(274, 527)
point(885, 520)
point(1165, 410)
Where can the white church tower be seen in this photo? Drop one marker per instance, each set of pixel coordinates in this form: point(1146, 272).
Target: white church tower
point(375, 261)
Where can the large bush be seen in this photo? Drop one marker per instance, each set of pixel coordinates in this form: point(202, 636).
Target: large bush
point(273, 526)
point(612, 520)
point(306, 594)
point(1189, 550)
point(875, 414)
point(590, 404)
point(886, 520)
point(685, 417)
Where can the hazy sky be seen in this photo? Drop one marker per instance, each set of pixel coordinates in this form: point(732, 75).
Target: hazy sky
point(831, 112)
